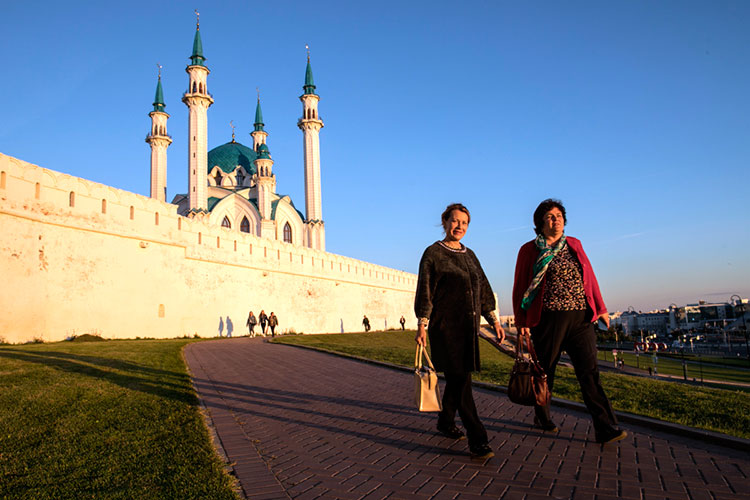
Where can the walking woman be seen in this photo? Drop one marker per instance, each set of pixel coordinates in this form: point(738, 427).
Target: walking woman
point(556, 300)
point(452, 294)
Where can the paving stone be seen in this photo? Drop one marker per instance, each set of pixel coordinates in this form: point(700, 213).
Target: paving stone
point(302, 424)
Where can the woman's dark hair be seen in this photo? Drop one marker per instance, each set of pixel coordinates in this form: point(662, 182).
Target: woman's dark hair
point(450, 208)
point(545, 207)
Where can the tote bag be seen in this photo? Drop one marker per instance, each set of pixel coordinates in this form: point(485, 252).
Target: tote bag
point(426, 392)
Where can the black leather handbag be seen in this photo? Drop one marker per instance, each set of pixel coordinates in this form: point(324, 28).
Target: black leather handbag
point(528, 382)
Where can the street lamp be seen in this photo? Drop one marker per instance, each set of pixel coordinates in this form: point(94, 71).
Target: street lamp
point(740, 308)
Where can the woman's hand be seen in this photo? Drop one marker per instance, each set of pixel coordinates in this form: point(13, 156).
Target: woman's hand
point(604, 317)
point(499, 332)
point(421, 336)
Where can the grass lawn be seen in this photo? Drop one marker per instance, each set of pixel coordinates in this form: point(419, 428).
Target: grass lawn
point(669, 365)
point(109, 420)
point(701, 407)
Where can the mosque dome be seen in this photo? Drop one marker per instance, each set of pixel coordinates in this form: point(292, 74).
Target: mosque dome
point(231, 154)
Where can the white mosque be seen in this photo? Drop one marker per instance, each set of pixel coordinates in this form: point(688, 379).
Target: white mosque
point(233, 185)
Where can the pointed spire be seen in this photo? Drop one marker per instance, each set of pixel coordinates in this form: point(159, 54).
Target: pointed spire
point(159, 98)
point(197, 58)
point(231, 124)
point(309, 86)
point(258, 115)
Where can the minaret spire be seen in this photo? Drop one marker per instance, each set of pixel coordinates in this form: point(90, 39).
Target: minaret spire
point(259, 133)
point(310, 124)
point(159, 142)
point(198, 100)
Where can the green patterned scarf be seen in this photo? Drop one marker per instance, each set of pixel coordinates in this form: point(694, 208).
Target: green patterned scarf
point(546, 254)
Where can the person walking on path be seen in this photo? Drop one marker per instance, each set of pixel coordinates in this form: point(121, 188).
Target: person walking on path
point(366, 324)
point(273, 321)
point(556, 300)
point(251, 322)
point(263, 319)
point(403, 322)
point(452, 293)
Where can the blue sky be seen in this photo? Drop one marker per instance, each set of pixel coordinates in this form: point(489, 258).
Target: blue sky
point(635, 114)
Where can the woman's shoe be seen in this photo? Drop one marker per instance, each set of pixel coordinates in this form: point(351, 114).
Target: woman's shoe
point(481, 452)
point(451, 431)
point(548, 426)
point(611, 437)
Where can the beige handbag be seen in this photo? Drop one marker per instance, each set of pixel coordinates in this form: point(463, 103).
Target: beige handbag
point(426, 391)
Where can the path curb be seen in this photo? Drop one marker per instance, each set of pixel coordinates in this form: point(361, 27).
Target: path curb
point(711, 437)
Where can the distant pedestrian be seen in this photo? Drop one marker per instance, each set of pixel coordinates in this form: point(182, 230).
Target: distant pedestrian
point(251, 322)
point(263, 320)
point(556, 300)
point(273, 321)
point(366, 323)
point(403, 322)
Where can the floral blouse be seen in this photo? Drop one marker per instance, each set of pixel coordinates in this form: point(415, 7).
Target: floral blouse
point(563, 287)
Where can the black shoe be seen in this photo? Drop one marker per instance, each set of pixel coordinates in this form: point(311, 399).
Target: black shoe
point(611, 437)
point(481, 452)
point(451, 431)
point(548, 426)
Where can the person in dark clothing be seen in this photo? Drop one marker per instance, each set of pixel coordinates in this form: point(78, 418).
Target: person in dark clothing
point(273, 321)
point(251, 322)
point(556, 300)
point(366, 324)
point(403, 322)
point(263, 319)
point(452, 293)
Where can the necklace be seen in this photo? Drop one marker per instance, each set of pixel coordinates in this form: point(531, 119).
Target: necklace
point(461, 249)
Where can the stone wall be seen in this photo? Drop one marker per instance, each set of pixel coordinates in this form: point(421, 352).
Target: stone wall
point(81, 257)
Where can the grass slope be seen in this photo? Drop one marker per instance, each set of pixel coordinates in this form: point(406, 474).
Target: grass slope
point(115, 419)
point(705, 408)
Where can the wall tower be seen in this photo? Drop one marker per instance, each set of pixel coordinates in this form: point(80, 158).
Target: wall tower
point(159, 142)
point(198, 100)
point(310, 124)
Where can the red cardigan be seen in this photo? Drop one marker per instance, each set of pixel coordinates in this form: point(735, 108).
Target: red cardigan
point(524, 269)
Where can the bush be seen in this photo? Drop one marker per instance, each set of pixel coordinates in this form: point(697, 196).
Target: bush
point(86, 337)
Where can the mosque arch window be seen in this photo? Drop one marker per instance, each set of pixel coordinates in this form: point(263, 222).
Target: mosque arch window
point(132, 212)
point(287, 233)
point(38, 191)
point(2, 179)
point(240, 178)
point(225, 223)
point(156, 218)
point(245, 225)
point(104, 206)
point(72, 199)
point(218, 178)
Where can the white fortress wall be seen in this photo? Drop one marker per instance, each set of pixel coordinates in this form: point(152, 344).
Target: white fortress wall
point(81, 257)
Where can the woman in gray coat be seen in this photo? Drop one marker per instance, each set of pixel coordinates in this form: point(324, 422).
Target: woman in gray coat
point(452, 294)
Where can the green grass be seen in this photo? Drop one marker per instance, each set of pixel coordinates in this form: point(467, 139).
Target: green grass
point(668, 365)
point(718, 410)
point(110, 420)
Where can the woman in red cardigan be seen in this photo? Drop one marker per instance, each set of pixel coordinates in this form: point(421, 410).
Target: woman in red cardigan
point(556, 300)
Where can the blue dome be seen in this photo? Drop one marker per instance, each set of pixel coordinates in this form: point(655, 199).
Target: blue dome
point(231, 154)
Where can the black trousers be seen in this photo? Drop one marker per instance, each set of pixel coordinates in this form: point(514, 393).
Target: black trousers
point(570, 331)
point(458, 396)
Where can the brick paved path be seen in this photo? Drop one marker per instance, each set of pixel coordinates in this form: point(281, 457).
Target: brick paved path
point(302, 424)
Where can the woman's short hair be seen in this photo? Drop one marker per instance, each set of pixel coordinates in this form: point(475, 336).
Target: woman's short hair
point(450, 208)
point(545, 207)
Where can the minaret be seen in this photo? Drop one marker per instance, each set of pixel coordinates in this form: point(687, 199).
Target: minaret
point(266, 188)
point(310, 124)
point(159, 142)
point(197, 100)
point(258, 134)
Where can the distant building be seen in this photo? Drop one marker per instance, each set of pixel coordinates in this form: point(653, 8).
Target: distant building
point(700, 316)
